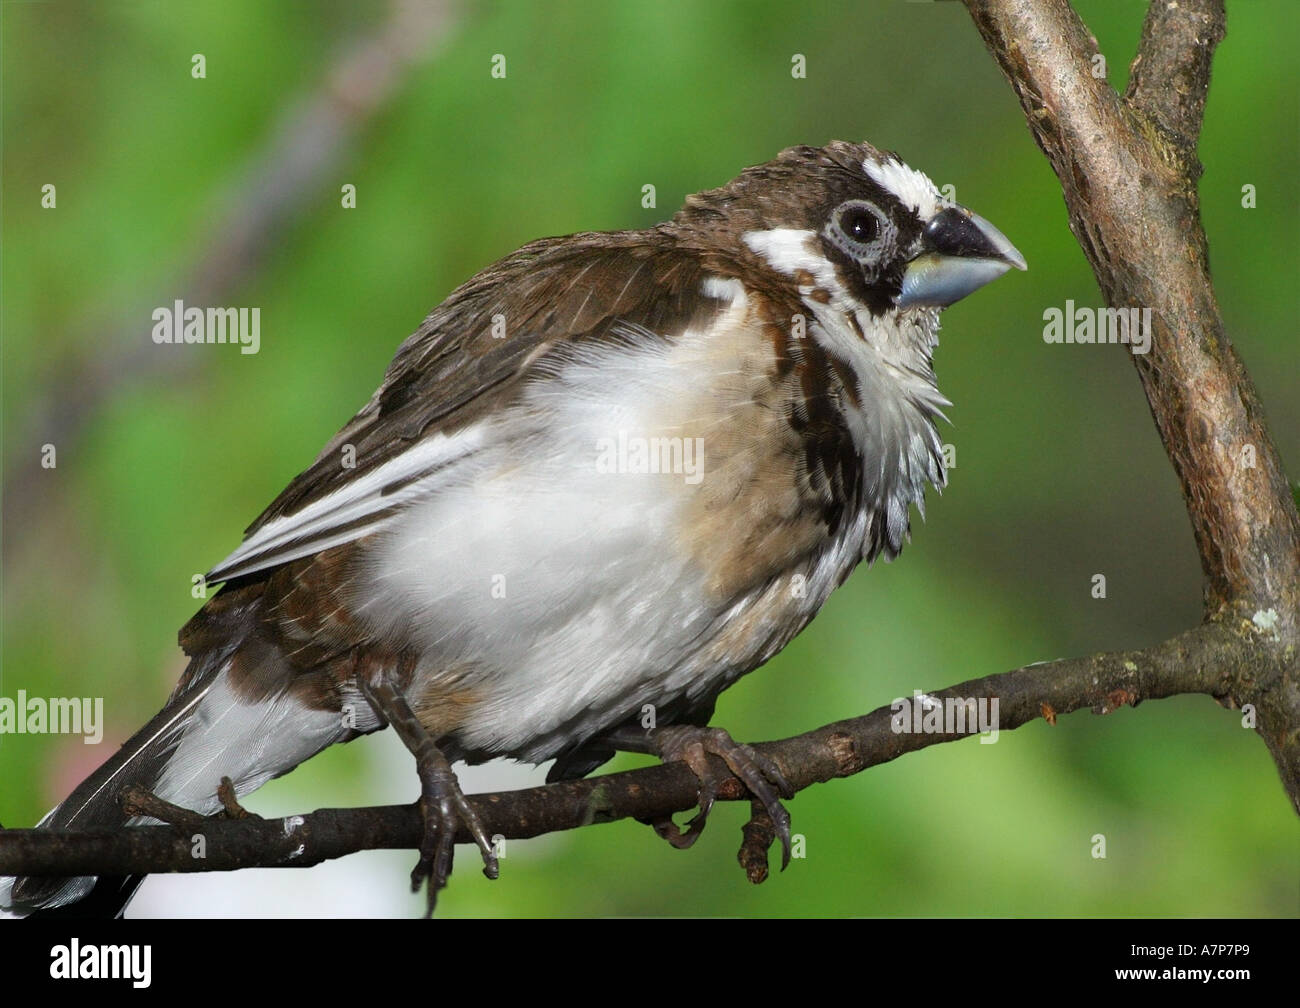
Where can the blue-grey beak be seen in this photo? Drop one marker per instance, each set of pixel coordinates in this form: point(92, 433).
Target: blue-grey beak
point(960, 253)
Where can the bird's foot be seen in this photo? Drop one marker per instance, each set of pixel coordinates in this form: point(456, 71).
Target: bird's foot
point(230, 801)
point(443, 805)
point(692, 745)
point(444, 809)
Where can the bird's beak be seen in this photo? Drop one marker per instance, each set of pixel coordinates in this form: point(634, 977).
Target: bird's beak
point(960, 253)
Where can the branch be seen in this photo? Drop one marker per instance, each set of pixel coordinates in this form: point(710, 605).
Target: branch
point(1203, 660)
point(1128, 171)
point(1170, 76)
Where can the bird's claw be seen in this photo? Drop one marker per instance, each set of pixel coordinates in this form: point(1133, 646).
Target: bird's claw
point(692, 745)
point(444, 808)
point(443, 805)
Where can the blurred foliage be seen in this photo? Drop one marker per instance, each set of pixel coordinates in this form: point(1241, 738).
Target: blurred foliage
point(1060, 473)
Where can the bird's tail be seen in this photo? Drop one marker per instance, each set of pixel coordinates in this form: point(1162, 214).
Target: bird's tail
point(207, 731)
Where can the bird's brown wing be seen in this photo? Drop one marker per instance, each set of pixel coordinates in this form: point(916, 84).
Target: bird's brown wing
point(466, 361)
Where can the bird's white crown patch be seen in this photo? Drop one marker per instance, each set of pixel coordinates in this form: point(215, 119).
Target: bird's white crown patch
point(914, 188)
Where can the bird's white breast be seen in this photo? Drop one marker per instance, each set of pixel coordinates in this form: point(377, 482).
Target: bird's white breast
point(892, 423)
point(566, 595)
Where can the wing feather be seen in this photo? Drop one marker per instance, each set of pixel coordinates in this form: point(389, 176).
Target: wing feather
point(459, 367)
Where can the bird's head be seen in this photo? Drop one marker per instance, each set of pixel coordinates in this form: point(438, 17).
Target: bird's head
point(855, 226)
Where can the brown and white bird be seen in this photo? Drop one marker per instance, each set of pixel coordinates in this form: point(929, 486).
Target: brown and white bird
point(611, 470)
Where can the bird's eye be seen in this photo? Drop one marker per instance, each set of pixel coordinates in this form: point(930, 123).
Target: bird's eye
point(860, 224)
point(862, 232)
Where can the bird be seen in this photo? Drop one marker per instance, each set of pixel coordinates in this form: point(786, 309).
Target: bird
point(612, 472)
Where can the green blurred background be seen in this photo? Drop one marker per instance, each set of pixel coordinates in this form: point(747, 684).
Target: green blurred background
point(165, 453)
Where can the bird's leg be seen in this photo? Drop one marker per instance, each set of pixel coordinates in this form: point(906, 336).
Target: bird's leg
point(442, 803)
point(692, 745)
